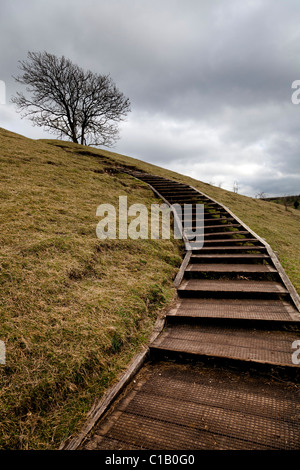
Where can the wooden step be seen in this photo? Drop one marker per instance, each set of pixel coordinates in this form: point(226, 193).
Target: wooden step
point(230, 257)
point(181, 201)
point(231, 288)
point(180, 194)
point(175, 188)
point(250, 345)
point(207, 211)
point(229, 233)
point(164, 184)
point(219, 221)
point(211, 222)
point(229, 241)
point(230, 268)
point(226, 249)
point(222, 227)
point(195, 200)
point(190, 230)
point(216, 237)
point(235, 309)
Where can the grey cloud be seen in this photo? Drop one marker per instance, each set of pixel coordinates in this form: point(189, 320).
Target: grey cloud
point(209, 82)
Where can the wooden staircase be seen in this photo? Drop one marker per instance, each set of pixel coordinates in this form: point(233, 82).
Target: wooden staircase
point(219, 375)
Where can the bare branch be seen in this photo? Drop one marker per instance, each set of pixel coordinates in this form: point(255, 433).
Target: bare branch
point(83, 106)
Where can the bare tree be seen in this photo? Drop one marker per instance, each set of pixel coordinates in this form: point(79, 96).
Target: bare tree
point(261, 195)
point(70, 102)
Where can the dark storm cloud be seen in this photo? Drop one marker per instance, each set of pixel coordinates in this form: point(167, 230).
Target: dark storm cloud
point(209, 82)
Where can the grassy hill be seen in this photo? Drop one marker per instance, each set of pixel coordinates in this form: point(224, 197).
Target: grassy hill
point(75, 309)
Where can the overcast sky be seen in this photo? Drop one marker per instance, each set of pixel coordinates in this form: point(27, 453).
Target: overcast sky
point(209, 80)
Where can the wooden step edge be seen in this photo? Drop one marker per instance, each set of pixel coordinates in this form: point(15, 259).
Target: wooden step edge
point(159, 352)
point(207, 284)
point(257, 322)
point(231, 240)
point(196, 256)
point(214, 294)
point(232, 249)
point(227, 232)
point(230, 270)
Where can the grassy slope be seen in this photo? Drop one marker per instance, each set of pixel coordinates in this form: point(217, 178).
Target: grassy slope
point(75, 309)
